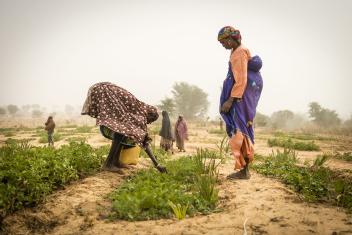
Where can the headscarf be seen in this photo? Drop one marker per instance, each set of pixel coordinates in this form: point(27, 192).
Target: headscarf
point(229, 31)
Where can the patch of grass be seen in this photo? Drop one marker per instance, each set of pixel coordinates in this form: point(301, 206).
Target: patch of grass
point(314, 183)
point(84, 129)
point(9, 134)
point(76, 139)
point(43, 137)
point(189, 184)
point(28, 174)
point(223, 147)
point(10, 141)
point(302, 136)
point(346, 156)
point(291, 144)
point(70, 126)
point(216, 131)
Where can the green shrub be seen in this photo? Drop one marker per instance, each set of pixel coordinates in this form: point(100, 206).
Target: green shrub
point(297, 145)
point(28, 174)
point(315, 183)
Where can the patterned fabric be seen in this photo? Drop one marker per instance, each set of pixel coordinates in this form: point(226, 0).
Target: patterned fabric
point(229, 31)
point(120, 111)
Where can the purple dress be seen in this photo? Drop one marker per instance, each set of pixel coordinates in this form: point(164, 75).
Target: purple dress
point(243, 111)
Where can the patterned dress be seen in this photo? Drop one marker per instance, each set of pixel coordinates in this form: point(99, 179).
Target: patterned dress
point(119, 111)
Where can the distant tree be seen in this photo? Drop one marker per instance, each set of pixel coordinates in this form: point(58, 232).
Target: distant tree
point(26, 108)
point(2, 111)
point(35, 106)
point(322, 116)
point(37, 113)
point(190, 100)
point(168, 105)
point(12, 109)
point(348, 123)
point(261, 120)
point(69, 109)
point(280, 118)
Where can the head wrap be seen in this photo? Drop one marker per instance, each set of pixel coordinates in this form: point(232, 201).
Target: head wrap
point(229, 31)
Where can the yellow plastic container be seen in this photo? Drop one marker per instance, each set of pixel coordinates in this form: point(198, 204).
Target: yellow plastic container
point(130, 156)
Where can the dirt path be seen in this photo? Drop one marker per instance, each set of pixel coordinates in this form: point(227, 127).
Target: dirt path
point(267, 205)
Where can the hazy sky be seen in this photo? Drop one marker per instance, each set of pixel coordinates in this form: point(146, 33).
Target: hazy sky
point(51, 52)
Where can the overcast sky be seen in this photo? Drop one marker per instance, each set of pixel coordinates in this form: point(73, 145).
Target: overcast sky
point(51, 52)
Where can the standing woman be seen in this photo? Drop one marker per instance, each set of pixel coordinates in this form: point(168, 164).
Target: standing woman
point(122, 118)
point(181, 133)
point(239, 99)
point(166, 133)
point(49, 127)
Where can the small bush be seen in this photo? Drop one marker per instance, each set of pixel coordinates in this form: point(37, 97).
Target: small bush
point(315, 183)
point(28, 174)
point(297, 145)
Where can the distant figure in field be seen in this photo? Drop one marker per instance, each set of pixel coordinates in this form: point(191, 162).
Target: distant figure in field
point(167, 139)
point(123, 119)
point(239, 99)
point(49, 127)
point(181, 133)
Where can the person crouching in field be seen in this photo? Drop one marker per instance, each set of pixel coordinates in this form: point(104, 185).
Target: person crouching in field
point(239, 99)
point(122, 118)
point(49, 127)
point(167, 138)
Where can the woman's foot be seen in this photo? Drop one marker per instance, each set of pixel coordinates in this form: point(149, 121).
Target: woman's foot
point(114, 169)
point(122, 165)
point(242, 174)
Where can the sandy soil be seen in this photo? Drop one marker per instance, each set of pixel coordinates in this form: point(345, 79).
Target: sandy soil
point(260, 205)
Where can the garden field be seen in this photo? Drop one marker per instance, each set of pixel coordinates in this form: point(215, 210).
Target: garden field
point(301, 184)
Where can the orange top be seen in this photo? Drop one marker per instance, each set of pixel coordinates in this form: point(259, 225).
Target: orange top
point(239, 61)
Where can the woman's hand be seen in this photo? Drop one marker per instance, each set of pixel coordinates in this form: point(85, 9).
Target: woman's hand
point(161, 169)
point(225, 108)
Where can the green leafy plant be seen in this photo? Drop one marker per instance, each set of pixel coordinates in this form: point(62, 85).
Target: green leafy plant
point(28, 174)
point(179, 210)
point(146, 195)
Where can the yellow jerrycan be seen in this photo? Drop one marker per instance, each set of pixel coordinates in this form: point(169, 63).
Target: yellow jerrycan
point(130, 156)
